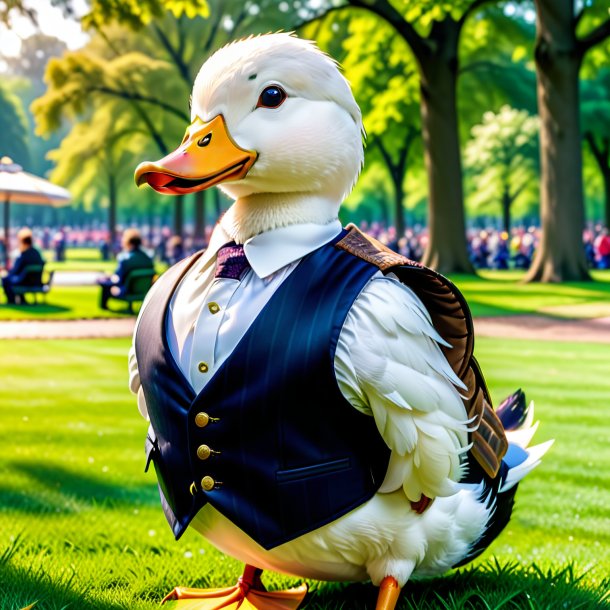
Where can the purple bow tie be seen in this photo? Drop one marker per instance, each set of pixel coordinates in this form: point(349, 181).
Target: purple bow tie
point(231, 261)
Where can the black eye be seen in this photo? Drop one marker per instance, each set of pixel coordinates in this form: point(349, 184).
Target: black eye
point(205, 140)
point(271, 97)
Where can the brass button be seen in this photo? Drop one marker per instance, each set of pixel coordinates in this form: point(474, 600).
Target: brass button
point(202, 419)
point(207, 483)
point(203, 452)
point(213, 307)
point(203, 367)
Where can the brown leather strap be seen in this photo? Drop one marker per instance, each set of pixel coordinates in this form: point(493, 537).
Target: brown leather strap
point(452, 319)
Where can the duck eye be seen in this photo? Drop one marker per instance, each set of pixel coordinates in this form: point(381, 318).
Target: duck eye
point(271, 97)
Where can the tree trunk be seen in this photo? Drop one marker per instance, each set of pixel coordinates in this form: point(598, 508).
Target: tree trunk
point(217, 206)
point(447, 250)
point(199, 215)
point(112, 210)
point(399, 195)
point(178, 215)
point(560, 256)
point(506, 203)
point(606, 176)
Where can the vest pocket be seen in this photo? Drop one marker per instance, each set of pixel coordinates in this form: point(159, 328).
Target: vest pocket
point(307, 472)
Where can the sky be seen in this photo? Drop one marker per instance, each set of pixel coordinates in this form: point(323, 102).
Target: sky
point(51, 21)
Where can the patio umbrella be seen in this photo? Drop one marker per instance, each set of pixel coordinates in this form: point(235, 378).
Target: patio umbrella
point(17, 186)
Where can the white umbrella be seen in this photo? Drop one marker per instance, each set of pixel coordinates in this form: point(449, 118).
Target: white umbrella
point(17, 186)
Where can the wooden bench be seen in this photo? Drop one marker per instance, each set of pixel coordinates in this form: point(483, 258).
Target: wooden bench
point(136, 285)
point(32, 282)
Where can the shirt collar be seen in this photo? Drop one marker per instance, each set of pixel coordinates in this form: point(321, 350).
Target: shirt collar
point(270, 251)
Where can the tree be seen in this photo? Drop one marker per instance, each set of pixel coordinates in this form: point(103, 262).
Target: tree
point(595, 111)
point(501, 156)
point(146, 56)
point(385, 80)
point(96, 157)
point(13, 128)
point(432, 30)
point(560, 49)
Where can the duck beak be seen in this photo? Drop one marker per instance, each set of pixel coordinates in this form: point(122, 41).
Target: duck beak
point(207, 156)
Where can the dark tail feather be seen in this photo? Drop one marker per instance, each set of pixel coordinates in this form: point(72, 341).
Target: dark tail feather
point(513, 410)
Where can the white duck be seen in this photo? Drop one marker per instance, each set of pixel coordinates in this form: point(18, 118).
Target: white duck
point(276, 124)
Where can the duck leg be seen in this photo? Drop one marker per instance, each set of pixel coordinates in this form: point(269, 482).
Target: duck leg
point(248, 594)
point(388, 594)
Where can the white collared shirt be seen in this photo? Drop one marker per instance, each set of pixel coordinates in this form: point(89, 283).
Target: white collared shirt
point(208, 315)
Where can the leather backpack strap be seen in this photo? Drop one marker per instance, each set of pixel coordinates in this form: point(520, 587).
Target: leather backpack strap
point(452, 319)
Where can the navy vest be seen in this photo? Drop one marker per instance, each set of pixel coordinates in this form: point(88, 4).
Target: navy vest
point(288, 452)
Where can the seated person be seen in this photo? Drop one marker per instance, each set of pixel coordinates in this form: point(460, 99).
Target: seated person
point(132, 258)
point(18, 275)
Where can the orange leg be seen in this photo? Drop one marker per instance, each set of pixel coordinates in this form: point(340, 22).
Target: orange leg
point(388, 594)
point(248, 594)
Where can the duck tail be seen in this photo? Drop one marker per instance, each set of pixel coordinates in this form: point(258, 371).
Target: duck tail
point(517, 417)
point(498, 494)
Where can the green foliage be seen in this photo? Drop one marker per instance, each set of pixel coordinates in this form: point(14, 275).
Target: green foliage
point(138, 13)
point(502, 156)
point(13, 127)
point(81, 79)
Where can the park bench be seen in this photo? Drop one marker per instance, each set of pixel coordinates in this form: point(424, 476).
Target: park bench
point(137, 284)
point(32, 282)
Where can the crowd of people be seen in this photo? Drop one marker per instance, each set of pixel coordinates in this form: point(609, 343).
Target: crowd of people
point(491, 248)
point(488, 248)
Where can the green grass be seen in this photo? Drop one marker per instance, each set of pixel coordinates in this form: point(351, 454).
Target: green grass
point(79, 259)
point(81, 526)
point(65, 303)
point(70, 302)
point(501, 293)
point(494, 293)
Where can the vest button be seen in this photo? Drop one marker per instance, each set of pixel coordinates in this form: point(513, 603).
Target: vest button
point(213, 307)
point(202, 419)
point(203, 452)
point(202, 367)
point(207, 483)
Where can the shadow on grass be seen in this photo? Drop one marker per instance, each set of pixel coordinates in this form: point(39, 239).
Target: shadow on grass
point(20, 587)
point(36, 309)
point(53, 488)
point(489, 586)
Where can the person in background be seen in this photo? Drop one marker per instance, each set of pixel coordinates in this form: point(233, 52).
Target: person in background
point(18, 275)
point(132, 258)
point(175, 249)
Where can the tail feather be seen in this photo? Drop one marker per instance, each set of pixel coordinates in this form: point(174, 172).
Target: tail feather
point(513, 410)
point(518, 419)
point(516, 473)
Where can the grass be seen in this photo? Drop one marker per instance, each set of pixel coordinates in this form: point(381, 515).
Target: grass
point(70, 302)
point(79, 259)
point(81, 526)
point(501, 293)
point(493, 293)
point(66, 303)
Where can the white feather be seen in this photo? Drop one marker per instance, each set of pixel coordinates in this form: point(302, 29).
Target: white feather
point(402, 375)
point(533, 459)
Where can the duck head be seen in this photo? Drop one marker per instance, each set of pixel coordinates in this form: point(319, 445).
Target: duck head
point(275, 125)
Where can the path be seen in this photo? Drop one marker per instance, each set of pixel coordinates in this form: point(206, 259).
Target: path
point(515, 327)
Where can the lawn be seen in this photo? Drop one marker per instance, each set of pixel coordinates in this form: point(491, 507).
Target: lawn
point(82, 528)
point(79, 259)
point(502, 293)
point(494, 293)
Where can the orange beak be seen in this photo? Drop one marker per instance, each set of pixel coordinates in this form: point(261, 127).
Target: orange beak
point(207, 156)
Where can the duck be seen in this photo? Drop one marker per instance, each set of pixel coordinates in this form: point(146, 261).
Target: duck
point(315, 406)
